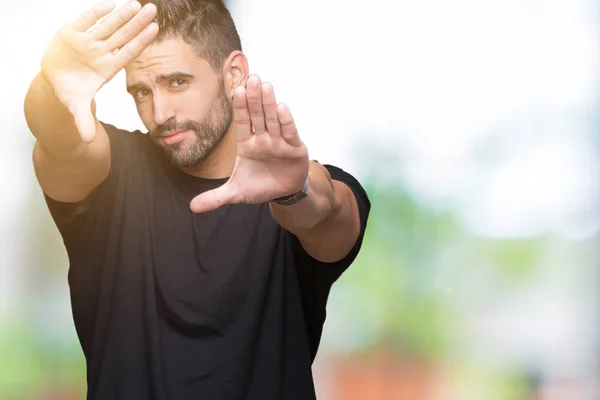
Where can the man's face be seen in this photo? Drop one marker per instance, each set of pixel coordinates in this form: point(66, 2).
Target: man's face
point(181, 101)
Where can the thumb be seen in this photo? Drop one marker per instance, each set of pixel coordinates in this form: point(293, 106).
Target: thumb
point(85, 122)
point(215, 198)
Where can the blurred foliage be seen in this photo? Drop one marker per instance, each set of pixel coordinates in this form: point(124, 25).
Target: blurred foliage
point(415, 262)
point(29, 365)
point(40, 357)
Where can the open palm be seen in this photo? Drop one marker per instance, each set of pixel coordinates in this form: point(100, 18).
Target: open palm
point(86, 54)
point(271, 159)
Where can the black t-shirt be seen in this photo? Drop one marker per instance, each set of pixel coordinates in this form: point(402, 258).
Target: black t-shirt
point(171, 305)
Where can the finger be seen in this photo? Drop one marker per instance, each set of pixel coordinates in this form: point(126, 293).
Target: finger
point(270, 107)
point(254, 95)
point(215, 198)
point(241, 115)
point(288, 127)
point(93, 15)
point(133, 27)
point(116, 20)
point(134, 47)
point(84, 120)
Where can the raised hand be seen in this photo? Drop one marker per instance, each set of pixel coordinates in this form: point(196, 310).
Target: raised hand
point(271, 159)
point(85, 54)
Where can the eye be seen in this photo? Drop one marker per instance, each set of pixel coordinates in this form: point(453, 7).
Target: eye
point(178, 83)
point(141, 94)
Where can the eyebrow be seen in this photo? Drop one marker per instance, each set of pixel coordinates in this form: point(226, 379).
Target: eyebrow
point(160, 79)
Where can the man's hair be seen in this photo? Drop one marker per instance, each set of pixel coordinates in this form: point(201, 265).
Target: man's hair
point(206, 25)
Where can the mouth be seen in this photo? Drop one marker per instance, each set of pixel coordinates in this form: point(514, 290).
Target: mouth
point(173, 137)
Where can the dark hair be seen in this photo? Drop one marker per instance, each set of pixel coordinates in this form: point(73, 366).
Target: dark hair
point(206, 25)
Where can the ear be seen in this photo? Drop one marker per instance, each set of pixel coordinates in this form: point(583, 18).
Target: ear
point(235, 72)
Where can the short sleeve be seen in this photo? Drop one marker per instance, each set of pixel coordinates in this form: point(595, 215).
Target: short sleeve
point(330, 272)
point(72, 218)
point(315, 278)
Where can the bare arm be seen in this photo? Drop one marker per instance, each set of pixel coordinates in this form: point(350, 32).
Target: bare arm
point(68, 169)
point(327, 221)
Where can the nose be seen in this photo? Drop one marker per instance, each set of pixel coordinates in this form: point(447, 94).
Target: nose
point(162, 109)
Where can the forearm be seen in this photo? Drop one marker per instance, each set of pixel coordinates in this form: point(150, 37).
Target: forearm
point(67, 168)
point(312, 210)
point(327, 221)
point(50, 121)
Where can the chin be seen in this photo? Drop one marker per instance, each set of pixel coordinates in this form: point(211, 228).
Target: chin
point(181, 162)
point(182, 159)
point(188, 157)
point(191, 151)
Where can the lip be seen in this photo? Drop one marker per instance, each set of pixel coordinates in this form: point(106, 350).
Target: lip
point(173, 137)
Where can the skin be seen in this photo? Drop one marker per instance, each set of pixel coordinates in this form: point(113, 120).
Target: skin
point(174, 90)
point(226, 124)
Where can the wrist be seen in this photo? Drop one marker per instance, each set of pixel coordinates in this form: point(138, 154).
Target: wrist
point(295, 197)
point(314, 209)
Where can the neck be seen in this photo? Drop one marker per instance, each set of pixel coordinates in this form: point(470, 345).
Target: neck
point(220, 162)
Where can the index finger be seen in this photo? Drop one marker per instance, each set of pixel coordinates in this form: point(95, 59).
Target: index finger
point(119, 18)
point(93, 15)
point(135, 46)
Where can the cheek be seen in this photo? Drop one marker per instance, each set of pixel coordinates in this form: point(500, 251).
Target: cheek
point(194, 105)
point(145, 112)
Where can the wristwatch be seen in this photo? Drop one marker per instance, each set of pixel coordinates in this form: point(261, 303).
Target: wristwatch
point(293, 198)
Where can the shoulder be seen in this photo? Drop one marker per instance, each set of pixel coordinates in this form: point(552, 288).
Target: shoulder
point(128, 167)
point(362, 198)
point(128, 148)
point(331, 271)
point(121, 137)
point(113, 130)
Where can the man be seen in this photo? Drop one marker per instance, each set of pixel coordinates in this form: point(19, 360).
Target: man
point(201, 253)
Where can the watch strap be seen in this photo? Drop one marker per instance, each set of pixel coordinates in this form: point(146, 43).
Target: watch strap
point(293, 198)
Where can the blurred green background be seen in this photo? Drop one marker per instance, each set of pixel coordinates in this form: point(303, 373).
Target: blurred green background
point(474, 128)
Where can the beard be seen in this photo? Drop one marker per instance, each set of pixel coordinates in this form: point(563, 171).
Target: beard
point(208, 133)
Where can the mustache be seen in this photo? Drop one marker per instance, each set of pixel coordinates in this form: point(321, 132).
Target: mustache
point(173, 126)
